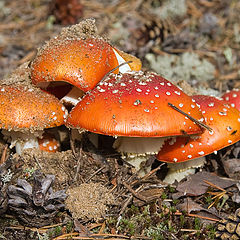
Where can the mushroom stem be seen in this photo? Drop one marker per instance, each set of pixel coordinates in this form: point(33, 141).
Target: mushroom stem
point(178, 171)
point(136, 150)
point(21, 140)
point(72, 97)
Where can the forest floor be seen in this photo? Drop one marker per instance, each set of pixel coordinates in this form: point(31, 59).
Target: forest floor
point(192, 40)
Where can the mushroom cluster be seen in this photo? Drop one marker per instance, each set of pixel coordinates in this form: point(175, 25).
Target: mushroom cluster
point(134, 108)
point(106, 93)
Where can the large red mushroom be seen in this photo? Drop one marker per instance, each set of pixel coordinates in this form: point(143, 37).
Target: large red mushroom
point(134, 108)
point(187, 152)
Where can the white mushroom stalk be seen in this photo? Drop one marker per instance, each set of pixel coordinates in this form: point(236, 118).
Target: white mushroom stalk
point(22, 140)
point(137, 150)
point(178, 171)
point(72, 97)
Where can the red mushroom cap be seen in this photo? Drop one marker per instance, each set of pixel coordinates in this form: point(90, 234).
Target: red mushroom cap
point(225, 123)
point(233, 98)
point(48, 143)
point(136, 105)
point(24, 108)
point(82, 63)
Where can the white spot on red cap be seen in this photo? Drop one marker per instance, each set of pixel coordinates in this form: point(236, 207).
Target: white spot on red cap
point(211, 132)
point(139, 90)
point(222, 113)
point(211, 104)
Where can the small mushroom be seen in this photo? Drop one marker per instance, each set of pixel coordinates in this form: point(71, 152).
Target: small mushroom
point(79, 57)
point(233, 98)
point(134, 107)
point(26, 112)
point(48, 143)
point(186, 153)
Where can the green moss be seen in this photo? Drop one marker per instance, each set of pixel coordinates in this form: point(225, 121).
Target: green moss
point(69, 226)
point(182, 221)
point(164, 196)
point(197, 224)
point(211, 231)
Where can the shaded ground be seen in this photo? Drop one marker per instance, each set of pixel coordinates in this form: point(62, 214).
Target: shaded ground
point(197, 41)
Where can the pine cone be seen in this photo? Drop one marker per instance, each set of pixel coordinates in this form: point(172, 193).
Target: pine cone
point(5, 178)
point(66, 12)
point(229, 228)
point(154, 30)
point(38, 205)
point(147, 32)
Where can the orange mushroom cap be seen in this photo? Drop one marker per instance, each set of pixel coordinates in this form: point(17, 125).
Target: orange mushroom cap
point(48, 143)
point(78, 56)
point(233, 98)
point(24, 108)
point(82, 63)
point(225, 123)
point(136, 105)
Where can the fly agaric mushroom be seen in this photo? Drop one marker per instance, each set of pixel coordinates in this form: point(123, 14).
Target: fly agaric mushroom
point(134, 108)
point(233, 98)
point(186, 153)
point(80, 57)
point(48, 143)
point(25, 112)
